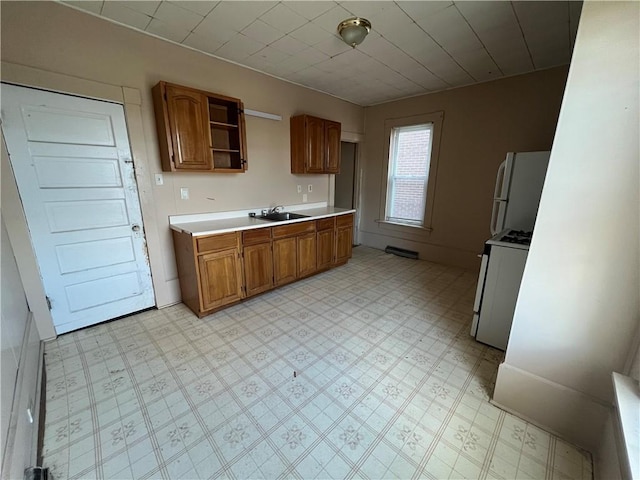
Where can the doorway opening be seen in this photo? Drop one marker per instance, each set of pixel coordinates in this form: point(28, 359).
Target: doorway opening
point(347, 190)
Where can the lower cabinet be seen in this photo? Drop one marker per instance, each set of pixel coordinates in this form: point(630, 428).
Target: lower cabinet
point(325, 242)
point(285, 260)
point(218, 270)
point(220, 278)
point(258, 268)
point(344, 238)
point(294, 251)
point(257, 259)
point(307, 260)
point(209, 270)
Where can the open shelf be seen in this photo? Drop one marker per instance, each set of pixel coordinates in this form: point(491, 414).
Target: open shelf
point(223, 125)
point(199, 131)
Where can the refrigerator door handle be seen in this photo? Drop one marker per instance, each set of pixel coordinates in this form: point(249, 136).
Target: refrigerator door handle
point(494, 216)
point(500, 177)
point(496, 211)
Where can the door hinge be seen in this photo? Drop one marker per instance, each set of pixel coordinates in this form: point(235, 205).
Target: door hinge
point(36, 473)
point(48, 303)
point(165, 96)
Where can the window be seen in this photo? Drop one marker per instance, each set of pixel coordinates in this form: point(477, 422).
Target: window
point(408, 173)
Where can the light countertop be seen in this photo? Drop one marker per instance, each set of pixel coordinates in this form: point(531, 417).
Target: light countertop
point(224, 225)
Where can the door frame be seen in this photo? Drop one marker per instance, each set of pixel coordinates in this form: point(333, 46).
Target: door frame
point(15, 220)
point(358, 139)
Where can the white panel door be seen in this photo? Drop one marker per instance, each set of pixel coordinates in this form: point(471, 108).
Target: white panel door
point(72, 163)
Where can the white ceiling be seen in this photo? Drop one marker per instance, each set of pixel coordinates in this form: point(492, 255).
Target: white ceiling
point(414, 47)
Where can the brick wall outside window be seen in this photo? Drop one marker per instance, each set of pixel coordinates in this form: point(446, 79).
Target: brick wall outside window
point(410, 167)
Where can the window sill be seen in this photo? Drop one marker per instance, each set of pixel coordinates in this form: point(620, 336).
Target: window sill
point(397, 226)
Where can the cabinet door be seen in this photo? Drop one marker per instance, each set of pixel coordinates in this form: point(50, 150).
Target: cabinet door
point(307, 254)
point(189, 125)
point(332, 138)
point(325, 244)
point(315, 145)
point(258, 268)
point(344, 242)
point(220, 278)
point(285, 260)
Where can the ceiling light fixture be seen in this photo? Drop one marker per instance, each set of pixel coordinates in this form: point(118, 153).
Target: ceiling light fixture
point(354, 30)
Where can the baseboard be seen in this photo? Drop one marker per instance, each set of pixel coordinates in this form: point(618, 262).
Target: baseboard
point(41, 395)
point(430, 252)
point(568, 413)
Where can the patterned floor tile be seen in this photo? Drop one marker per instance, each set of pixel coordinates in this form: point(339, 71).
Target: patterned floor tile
point(365, 371)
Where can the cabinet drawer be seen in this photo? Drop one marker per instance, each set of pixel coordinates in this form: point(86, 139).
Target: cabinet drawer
point(325, 223)
point(294, 229)
point(217, 242)
point(345, 220)
point(249, 237)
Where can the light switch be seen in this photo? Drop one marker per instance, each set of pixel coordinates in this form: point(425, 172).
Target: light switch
point(184, 193)
point(159, 179)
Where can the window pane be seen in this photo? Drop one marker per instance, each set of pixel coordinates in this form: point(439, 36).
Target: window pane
point(409, 160)
point(408, 199)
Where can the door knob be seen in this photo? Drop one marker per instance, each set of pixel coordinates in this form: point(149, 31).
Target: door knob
point(135, 228)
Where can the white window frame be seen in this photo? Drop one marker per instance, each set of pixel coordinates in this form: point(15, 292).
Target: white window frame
point(392, 177)
point(435, 120)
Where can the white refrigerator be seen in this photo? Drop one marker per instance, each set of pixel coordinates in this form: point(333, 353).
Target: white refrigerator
point(517, 192)
point(515, 206)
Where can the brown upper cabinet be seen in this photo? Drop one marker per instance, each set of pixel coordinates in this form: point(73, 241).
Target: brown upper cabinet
point(199, 131)
point(315, 145)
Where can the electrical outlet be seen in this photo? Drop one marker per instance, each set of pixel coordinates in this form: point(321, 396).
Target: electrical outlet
point(159, 179)
point(184, 193)
point(304, 197)
point(299, 188)
point(309, 188)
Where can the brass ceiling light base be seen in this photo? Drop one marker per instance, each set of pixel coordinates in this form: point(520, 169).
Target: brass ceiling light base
point(354, 30)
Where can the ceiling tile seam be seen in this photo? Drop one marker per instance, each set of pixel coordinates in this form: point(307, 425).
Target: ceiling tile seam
point(198, 24)
point(418, 62)
point(454, 87)
point(479, 40)
point(396, 71)
point(277, 39)
point(437, 43)
point(155, 11)
point(524, 39)
point(151, 17)
point(222, 59)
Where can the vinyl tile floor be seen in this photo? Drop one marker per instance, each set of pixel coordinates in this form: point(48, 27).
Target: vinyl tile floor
point(366, 371)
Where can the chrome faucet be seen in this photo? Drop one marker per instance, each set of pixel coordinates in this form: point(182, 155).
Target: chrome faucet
point(276, 209)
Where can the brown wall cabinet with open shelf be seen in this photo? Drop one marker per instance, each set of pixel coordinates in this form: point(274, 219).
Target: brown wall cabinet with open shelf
point(199, 131)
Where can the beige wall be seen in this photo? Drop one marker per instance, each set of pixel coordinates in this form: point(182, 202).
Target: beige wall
point(20, 360)
point(578, 310)
point(481, 124)
point(55, 38)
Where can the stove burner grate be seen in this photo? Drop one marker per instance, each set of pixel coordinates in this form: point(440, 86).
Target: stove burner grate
point(517, 236)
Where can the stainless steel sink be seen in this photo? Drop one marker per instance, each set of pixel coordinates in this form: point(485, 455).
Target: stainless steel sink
point(281, 216)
